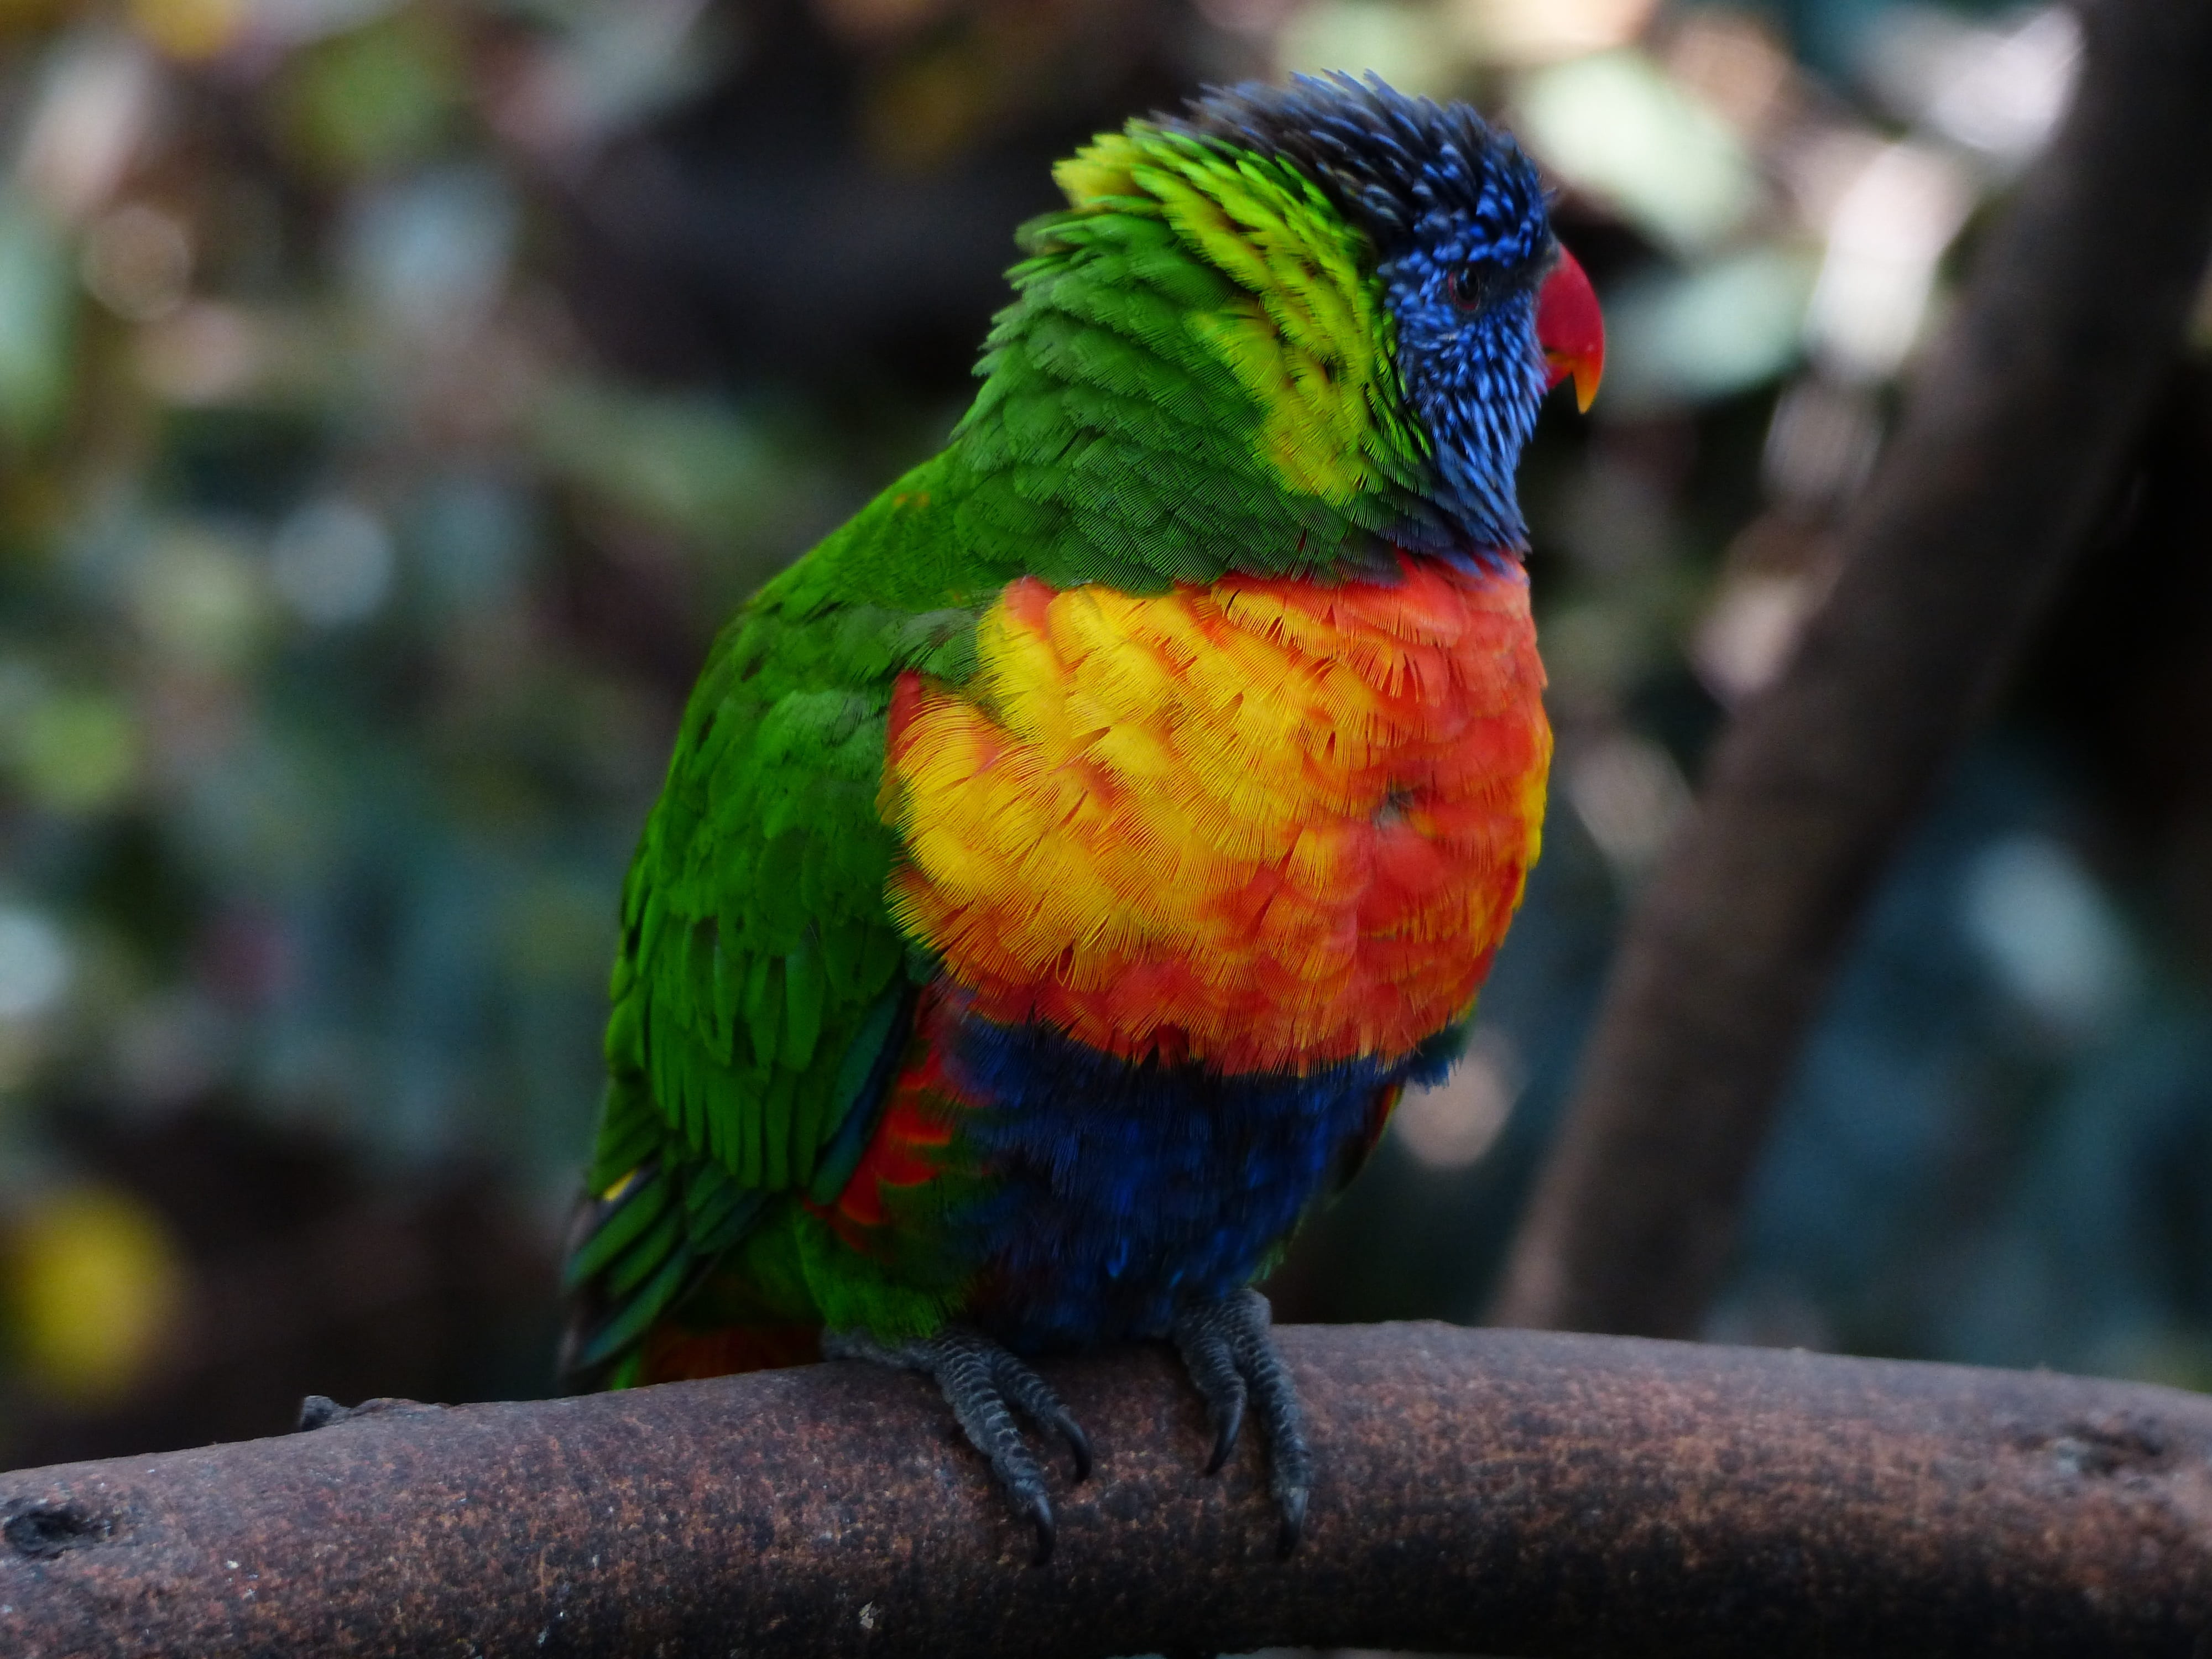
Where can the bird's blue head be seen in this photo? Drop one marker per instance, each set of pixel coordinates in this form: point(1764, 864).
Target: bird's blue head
point(1490, 311)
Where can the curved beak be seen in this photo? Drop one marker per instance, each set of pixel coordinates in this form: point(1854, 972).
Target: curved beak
point(1571, 329)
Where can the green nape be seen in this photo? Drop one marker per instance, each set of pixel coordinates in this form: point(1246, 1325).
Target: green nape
point(1195, 377)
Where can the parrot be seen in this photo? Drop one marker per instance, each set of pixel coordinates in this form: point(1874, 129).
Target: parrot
point(1064, 867)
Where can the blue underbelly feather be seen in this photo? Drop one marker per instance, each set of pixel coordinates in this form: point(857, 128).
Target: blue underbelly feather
point(1117, 1191)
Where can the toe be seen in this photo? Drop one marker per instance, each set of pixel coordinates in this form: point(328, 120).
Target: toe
point(1230, 1351)
point(1078, 1443)
point(1039, 1508)
point(1202, 1336)
point(1228, 1424)
point(1034, 1397)
point(985, 1385)
point(1292, 1503)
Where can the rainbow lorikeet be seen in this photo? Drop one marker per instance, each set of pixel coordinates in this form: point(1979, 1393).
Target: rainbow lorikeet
point(1064, 866)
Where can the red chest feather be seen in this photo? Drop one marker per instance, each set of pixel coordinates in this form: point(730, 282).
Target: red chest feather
point(1266, 824)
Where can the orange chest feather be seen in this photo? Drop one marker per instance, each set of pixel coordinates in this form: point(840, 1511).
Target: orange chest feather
point(1265, 824)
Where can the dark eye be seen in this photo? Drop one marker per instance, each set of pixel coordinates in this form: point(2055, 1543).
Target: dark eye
point(1474, 285)
point(1483, 282)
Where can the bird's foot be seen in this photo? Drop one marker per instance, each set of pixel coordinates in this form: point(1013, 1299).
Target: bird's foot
point(980, 1380)
point(1230, 1351)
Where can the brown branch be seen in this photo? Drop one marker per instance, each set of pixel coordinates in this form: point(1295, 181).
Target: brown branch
point(2014, 437)
point(1480, 1491)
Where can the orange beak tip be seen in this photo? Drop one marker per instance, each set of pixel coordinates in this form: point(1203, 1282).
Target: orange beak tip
point(1584, 372)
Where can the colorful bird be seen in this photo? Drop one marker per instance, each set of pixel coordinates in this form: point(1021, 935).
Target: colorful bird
point(1063, 868)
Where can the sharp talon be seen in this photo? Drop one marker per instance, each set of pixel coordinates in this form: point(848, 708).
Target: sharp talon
point(985, 1385)
point(1040, 1513)
point(1034, 1396)
point(1225, 1439)
point(1077, 1442)
point(1229, 1349)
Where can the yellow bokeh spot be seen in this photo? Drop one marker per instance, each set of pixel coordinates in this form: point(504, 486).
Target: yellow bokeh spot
point(190, 29)
point(93, 1285)
point(20, 16)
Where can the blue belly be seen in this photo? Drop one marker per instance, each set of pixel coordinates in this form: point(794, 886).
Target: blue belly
point(1115, 1192)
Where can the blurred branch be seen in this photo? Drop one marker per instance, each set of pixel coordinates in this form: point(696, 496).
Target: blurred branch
point(2009, 451)
point(1492, 1491)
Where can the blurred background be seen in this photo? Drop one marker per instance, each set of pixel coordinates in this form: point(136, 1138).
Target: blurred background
point(396, 394)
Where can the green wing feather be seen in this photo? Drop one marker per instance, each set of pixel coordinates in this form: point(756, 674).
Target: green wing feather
point(759, 980)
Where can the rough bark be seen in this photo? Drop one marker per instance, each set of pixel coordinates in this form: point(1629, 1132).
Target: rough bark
point(2010, 449)
point(1483, 1492)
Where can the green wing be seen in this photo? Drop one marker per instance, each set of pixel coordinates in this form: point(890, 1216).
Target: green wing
point(759, 986)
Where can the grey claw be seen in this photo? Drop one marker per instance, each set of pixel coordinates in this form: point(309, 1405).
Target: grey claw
point(1200, 1335)
point(1040, 1513)
point(1034, 1395)
point(985, 1385)
point(1230, 1351)
point(1230, 1425)
point(1293, 1528)
point(1078, 1443)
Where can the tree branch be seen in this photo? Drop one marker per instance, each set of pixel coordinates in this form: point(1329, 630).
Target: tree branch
point(1480, 1491)
point(2009, 451)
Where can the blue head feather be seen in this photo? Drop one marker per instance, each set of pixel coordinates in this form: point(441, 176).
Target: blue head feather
point(1462, 238)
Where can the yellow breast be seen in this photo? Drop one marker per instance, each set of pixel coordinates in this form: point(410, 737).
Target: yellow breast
point(1266, 824)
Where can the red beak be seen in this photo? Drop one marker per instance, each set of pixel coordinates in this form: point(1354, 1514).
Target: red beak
point(1571, 329)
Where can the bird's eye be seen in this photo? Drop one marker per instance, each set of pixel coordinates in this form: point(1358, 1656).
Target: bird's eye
point(1474, 285)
